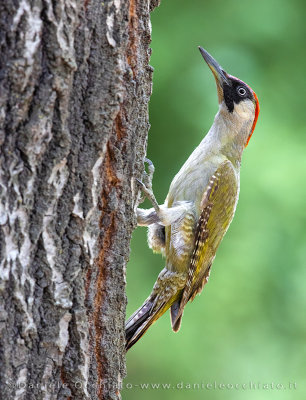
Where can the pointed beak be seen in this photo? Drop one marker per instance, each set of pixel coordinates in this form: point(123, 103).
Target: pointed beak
point(219, 74)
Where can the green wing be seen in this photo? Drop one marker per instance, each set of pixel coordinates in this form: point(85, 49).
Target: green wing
point(217, 210)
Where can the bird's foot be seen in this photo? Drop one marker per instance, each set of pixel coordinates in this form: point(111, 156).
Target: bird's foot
point(146, 184)
point(148, 193)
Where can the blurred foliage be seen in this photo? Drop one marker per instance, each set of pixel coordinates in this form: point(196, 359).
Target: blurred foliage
point(249, 323)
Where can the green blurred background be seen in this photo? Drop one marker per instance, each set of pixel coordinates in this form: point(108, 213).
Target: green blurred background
point(248, 325)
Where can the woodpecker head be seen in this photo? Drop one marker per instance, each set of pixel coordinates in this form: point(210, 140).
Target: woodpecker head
point(235, 96)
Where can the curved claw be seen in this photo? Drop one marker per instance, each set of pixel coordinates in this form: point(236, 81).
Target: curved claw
point(148, 161)
point(150, 164)
point(143, 186)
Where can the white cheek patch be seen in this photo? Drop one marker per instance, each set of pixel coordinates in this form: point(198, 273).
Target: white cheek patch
point(245, 110)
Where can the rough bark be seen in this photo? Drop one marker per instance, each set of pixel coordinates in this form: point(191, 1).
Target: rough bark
point(75, 85)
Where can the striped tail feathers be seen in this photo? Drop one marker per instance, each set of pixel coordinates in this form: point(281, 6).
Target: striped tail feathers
point(166, 291)
point(176, 319)
point(137, 325)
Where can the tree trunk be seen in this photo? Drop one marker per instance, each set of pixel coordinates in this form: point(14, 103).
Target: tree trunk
point(75, 86)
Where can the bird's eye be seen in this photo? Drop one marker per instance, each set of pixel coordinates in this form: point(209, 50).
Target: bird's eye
point(241, 91)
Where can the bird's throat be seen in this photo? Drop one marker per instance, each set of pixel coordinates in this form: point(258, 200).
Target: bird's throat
point(232, 130)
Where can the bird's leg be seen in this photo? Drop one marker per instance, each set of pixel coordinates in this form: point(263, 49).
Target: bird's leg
point(146, 183)
point(158, 214)
point(161, 214)
point(148, 217)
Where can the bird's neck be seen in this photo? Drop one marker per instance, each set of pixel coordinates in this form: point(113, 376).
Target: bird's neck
point(230, 131)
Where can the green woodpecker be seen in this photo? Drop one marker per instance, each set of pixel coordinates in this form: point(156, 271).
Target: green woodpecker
point(188, 228)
